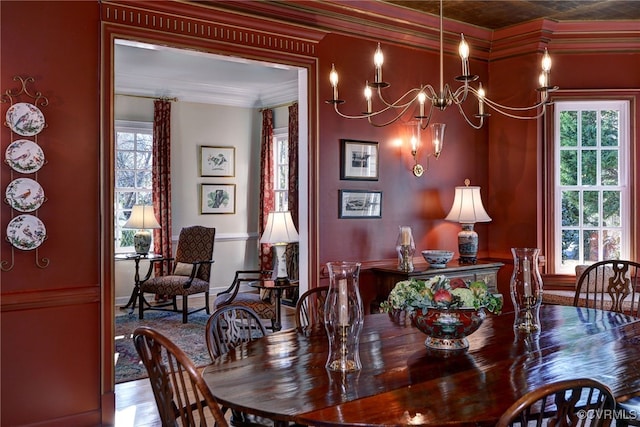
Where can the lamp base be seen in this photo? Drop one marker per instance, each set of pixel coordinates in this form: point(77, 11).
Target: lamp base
point(142, 241)
point(468, 245)
point(280, 261)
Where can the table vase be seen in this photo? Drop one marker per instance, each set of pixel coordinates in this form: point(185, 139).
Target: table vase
point(343, 316)
point(526, 290)
point(406, 247)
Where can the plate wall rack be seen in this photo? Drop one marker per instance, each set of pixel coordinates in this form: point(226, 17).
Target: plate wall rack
point(24, 157)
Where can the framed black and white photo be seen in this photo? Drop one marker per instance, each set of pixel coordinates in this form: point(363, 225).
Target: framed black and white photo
point(360, 204)
point(218, 199)
point(358, 160)
point(217, 161)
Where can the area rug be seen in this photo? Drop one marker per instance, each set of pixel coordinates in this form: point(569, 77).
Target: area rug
point(189, 337)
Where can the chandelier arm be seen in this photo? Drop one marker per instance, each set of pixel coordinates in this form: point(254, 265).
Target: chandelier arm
point(469, 122)
point(499, 108)
point(462, 90)
point(428, 120)
point(397, 103)
point(363, 115)
point(393, 120)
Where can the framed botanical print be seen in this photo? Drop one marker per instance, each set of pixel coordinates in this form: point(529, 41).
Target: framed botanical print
point(217, 161)
point(218, 199)
point(360, 204)
point(358, 160)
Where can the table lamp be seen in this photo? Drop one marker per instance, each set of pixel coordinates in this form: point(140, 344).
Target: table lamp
point(467, 209)
point(142, 218)
point(280, 231)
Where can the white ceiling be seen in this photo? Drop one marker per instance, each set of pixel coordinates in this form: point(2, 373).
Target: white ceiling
point(188, 75)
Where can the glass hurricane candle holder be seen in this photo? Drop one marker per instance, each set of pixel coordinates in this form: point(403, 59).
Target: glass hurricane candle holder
point(526, 289)
point(343, 317)
point(406, 247)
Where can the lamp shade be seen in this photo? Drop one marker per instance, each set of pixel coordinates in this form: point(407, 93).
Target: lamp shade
point(279, 229)
point(467, 206)
point(142, 217)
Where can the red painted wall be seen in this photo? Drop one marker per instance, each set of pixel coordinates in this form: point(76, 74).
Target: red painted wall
point(52, 338)
point(421, 203)
point(50, 319)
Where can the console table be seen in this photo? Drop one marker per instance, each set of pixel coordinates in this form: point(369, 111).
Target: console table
point(386, 276)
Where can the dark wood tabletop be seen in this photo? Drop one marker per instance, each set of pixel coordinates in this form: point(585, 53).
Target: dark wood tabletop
point(282, 376)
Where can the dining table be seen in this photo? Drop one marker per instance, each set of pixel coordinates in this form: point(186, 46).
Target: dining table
point(283, 376)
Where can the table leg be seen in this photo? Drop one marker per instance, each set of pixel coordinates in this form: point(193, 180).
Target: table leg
point(278, 324)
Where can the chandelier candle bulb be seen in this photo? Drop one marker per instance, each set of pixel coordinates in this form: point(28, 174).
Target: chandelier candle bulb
point(480, 100)
point(378, 60)
point(367, 96)
point(463, 50)
point(333, 78)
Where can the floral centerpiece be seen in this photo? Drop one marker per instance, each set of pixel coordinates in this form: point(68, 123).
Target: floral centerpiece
point(446, 310)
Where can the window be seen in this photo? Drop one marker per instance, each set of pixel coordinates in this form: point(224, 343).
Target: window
point(133, 176)
point(281, 169)
point(591, 200)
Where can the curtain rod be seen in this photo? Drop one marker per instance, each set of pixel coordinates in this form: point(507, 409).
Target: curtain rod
point(287, 104)
point(174, 99)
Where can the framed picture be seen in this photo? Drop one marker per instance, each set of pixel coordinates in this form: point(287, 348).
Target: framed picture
point(217, 161)
point(218, 199)
point(358, 160)
point(360, 204)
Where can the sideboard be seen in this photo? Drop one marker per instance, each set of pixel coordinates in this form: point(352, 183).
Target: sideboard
point(386, 276)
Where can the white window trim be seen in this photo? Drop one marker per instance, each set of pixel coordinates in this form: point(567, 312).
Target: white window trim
point(624, 185)
point(126, 126)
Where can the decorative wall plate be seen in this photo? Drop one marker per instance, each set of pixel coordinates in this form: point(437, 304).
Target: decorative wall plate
point(25, 194)
point(25, 119)
point(26, 232)
point(24, 156)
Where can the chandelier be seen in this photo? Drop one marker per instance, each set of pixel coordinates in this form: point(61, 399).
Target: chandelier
point(412, 104)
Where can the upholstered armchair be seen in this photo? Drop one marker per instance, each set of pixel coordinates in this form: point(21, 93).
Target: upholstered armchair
point(260, 302)
point(189, 273)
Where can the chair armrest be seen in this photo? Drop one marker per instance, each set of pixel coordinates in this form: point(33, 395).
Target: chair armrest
point(237, 281)
point(152, 263)
point(194, 269)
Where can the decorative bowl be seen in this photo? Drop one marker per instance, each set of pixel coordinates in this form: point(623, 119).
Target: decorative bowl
point(437, 258)
point(448, 329)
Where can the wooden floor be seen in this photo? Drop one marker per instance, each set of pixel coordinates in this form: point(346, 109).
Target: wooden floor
point(135, 405)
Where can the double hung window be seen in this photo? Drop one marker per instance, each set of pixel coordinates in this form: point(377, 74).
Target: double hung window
point(591, 200)
point(133, 176)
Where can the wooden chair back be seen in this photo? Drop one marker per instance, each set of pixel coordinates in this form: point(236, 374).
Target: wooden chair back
point(230, 326)
point(182, 396)
point(576, 402)
point(310, 306)
point(611, 285)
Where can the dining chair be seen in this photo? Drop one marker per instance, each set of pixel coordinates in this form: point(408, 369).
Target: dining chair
point(628, 413)
point(228, 327)
point(182, 396)
point(310, 306)
point(609, 285)
point(262, 304)
point(576, 402)
point(188, 273)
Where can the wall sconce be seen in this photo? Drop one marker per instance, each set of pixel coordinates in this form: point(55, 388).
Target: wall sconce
point(437, 140)
point(467, 209)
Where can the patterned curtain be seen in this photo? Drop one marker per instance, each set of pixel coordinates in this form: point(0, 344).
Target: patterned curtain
point(162, 176)
point(293, 163)
point(267, 202)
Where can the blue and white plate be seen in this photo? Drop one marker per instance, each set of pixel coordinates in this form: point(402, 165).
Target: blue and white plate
point(24, 156)
point(25, 194)
point(25, 119)
point(26, 232)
